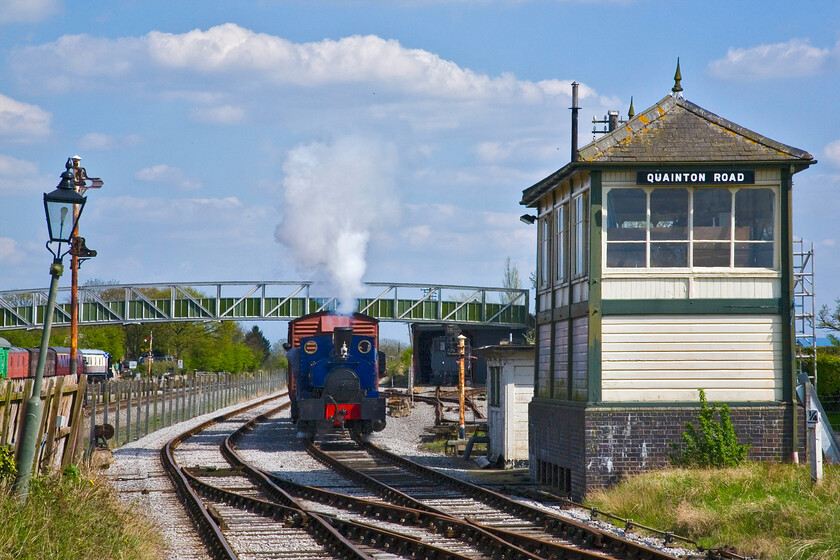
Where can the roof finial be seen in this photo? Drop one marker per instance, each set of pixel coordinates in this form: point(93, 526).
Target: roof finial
point(677, 89)
point(631, 112)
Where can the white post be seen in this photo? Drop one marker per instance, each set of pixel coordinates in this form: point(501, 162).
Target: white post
point(814, 437)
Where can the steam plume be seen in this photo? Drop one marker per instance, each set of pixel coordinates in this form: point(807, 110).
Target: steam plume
point(335, 197)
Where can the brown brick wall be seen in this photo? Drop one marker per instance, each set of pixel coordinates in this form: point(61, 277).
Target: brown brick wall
point(600, 445)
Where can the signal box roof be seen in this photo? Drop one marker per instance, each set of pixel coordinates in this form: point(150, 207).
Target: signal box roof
point(674, 132)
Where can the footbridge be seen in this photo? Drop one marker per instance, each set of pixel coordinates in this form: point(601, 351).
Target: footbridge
point(263, 301)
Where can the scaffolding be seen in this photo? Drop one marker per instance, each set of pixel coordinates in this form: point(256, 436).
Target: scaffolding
point(805, 318)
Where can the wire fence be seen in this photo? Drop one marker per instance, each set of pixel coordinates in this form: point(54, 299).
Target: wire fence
point(121, 411)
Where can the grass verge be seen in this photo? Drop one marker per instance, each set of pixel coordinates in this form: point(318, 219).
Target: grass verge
point(73, 517)
point(763, 509)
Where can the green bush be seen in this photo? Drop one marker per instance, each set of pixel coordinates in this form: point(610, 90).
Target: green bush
point(828, 374)
point(714, 444)
point(8, 466)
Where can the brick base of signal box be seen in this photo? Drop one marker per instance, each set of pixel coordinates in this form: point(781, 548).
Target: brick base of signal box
point(576, 449)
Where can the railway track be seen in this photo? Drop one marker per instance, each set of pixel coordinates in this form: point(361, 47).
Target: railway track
point(538, 531)
point(241, 513)
point(376, 507)
point(368, 503)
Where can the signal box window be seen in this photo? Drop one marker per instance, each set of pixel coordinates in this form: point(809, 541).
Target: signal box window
point(729, 228)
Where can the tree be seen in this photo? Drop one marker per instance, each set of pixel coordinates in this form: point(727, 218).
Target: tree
point(106, 294)
point(223, 349)
point(510, 281)
point(277, 359)
point(23, 338)
point(259, 344)
point(395, 355)
point(110, 339)
point(177, 338)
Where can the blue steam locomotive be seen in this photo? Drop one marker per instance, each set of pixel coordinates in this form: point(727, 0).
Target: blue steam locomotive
point(334, 370)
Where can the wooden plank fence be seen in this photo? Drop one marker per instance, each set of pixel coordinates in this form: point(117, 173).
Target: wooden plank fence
point(61, 418)
point(79, 416)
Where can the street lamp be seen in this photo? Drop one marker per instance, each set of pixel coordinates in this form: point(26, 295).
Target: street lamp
point(62, 217)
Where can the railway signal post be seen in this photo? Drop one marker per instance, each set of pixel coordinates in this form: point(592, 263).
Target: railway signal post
point(78, 253)
point(462, 428)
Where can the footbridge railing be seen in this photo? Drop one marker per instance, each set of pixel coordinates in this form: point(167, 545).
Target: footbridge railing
point(263, 301)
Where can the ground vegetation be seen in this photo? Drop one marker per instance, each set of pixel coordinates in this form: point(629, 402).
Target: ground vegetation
point(71, 516)
point(763, 509)
point(713, 443)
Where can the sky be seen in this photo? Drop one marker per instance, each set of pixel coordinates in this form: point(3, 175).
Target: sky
point(365, 140)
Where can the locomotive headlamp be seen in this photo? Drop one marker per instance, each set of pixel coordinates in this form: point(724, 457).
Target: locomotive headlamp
point(60, 208)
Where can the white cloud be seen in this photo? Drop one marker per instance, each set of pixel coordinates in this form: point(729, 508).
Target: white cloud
point(21, 178)
point(28, 11)
point(795, 58)
point(229, 49)
point(100, 141)
point(226, 114)
point(515, 151)
point(165, 219)
point(832, 152)
point(22, 121)
point(169, 175)
point(8, 249)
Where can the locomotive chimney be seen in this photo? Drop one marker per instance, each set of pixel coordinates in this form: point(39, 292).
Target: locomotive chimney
point(575, 109)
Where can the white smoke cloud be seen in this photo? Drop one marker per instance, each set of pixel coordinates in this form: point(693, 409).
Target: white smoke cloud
point(335, 197)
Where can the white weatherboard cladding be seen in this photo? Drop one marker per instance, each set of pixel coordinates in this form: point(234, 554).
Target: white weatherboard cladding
point(656, 358)
point(507, 423)
point(660, 286)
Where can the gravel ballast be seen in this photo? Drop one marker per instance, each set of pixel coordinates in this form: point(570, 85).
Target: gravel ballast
point(139, 478)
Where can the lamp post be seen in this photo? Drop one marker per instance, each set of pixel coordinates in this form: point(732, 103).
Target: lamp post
point(60, 207)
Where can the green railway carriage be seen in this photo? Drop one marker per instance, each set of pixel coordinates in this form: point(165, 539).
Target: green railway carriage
point(4, 357)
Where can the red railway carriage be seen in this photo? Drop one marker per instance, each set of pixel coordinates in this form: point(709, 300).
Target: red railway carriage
point(18, 363)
